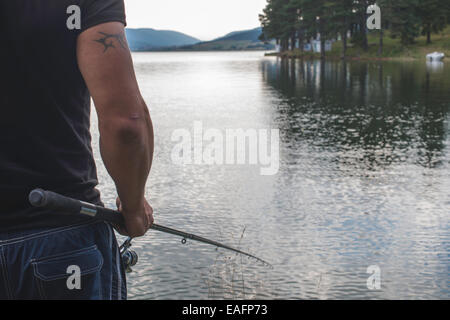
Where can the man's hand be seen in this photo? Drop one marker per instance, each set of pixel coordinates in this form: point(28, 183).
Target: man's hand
point(137, 221)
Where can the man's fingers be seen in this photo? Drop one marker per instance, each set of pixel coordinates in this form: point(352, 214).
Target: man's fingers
point(119, 204)
point(120, 230)
point(150, 215)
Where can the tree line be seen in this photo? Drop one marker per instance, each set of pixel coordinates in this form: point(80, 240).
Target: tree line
point(296, 21)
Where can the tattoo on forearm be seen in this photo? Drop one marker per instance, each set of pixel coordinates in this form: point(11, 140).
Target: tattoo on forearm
point(107, 40)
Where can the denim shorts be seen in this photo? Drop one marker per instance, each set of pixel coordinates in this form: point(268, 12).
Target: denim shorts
point(77, 262)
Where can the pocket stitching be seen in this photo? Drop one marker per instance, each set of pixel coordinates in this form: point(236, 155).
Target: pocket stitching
point(58, 277)
point(62, 255)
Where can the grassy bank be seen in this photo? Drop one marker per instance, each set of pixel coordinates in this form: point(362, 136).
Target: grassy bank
point(392, 49)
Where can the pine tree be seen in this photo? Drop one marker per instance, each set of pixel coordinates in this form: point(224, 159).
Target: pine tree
point(270, 21)
point(317, 14)
point(385, 18)
point(405, 21)
point(360, 36)
point(300, 25)
point(277, 23)
point(342, 17)
point(433, 14)
point(290, 17)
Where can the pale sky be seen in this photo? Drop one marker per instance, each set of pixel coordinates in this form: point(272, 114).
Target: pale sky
point(203, 19)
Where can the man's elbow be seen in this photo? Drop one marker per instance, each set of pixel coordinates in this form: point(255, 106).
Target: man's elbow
point(132, 133)
point(132, 130)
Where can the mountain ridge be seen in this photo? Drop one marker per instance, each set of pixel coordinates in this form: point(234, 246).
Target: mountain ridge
point(149, 39)
point(248, 34)
point(236, 40)
point(146, 39)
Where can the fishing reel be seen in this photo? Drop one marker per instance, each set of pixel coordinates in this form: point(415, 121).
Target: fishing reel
point(129, 257)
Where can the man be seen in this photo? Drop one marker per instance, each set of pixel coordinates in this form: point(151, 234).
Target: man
point(50, 67)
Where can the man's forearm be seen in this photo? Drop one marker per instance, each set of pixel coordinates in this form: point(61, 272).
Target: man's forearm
point(126, 133)
point(127, 150)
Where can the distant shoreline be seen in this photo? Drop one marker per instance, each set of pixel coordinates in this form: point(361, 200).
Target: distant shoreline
point(184, 50)
point(392, 50)
point(316, 56)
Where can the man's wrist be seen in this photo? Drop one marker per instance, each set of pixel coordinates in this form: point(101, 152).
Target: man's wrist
point(132, 205)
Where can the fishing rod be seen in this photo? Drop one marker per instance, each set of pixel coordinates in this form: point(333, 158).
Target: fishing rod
point(50, 200)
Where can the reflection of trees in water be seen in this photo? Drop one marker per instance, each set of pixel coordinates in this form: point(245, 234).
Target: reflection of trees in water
point(372, 113)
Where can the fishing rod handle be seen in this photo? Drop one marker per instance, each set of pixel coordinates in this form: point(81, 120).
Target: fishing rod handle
point(49, 200)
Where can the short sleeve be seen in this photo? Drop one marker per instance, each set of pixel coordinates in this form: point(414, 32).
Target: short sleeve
point(95, 12)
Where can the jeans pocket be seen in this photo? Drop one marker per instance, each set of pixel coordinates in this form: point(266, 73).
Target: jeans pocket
point(73, 275)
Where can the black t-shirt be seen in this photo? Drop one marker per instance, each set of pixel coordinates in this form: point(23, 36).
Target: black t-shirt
point(45, 140)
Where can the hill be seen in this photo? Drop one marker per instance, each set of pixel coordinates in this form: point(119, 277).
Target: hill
point(251, 35)
point(151, 39)
point(238, 40)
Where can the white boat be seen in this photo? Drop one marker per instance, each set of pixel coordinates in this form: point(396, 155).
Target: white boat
point(435, 56)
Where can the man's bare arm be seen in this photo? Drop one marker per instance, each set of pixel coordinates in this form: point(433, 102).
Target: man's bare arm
point(126, 131)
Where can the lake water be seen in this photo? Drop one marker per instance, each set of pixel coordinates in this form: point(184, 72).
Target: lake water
point(364, 179)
